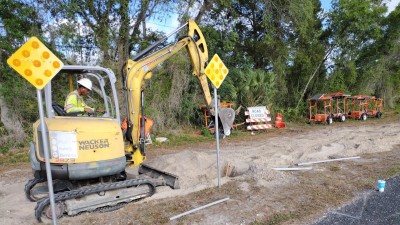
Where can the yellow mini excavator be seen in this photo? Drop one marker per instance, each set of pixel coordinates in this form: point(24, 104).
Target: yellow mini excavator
point(89, 154)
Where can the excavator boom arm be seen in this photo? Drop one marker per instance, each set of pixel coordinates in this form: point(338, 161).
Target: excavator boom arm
point(139, 70)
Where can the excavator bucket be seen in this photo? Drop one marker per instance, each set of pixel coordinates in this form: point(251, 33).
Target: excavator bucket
point(227, 116)
point(161, 177)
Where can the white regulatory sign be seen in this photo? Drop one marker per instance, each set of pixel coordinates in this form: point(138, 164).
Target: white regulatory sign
point(258, 112)
point(63, 145)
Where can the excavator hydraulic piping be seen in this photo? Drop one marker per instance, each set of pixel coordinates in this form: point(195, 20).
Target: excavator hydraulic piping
point(151, 47)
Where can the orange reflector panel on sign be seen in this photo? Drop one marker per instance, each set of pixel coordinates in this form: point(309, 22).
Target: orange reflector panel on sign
point(35, 62)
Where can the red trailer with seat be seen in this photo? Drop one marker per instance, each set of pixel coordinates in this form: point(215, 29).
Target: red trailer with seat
point(339, 105)
point(375, 107)
point(357, 106)
point(320, 110)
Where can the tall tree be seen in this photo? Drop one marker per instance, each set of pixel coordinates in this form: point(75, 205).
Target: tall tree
point(115, 26)
point(17, 99)
point(381, 61)
point(308, 53)
point(283, 37)
point(354, 26)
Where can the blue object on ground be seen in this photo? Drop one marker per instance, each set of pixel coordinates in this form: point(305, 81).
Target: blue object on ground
point(371, 208)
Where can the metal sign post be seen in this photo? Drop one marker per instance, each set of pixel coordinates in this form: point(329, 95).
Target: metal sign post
point(43, 127)
point(217, 134)
point(216, 71)
point(38, 65)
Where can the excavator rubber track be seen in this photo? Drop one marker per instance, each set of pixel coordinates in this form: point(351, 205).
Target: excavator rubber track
point(30, 185)
point(37, 188)
point(43, 205)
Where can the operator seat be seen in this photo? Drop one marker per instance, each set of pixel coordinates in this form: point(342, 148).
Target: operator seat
point(58, 109)
point(61, 112)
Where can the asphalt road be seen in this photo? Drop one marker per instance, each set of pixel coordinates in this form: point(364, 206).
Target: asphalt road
point(370, 208)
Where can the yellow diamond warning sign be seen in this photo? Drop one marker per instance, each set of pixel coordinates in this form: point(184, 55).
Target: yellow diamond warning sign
point(216, 71)
point(35, 62)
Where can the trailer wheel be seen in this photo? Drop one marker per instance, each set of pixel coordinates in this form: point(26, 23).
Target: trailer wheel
point(329, 120)
point(378, 115)
point(364, 116)
point(342, 118)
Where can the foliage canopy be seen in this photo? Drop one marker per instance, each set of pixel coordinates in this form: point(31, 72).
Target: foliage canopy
point(279, 52)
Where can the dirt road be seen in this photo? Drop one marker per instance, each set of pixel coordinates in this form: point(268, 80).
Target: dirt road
point(258, 193)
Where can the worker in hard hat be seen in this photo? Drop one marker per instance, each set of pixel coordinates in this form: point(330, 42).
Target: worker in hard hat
point(74, 101)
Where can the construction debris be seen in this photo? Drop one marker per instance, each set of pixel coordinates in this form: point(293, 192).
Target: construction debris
point(228, 168)
point(161, 139)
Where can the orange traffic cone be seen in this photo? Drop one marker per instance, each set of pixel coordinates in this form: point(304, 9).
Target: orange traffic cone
point(279, 123)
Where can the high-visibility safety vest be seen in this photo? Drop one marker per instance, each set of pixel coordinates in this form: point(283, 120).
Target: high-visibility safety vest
point(75, 103)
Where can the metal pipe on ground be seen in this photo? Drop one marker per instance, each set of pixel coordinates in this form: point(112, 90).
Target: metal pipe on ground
point(292, 169)
point(328, 160)
point(196, 209)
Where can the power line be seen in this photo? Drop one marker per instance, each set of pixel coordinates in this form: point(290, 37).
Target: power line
point(161, 25)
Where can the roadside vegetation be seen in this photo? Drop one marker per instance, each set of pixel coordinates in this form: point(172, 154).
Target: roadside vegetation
point(190, 136)
point(279, 54)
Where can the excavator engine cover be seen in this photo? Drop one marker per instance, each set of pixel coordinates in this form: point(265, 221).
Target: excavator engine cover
point(80, 148)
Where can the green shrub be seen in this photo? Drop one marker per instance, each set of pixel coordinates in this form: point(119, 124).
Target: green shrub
point(206, 132)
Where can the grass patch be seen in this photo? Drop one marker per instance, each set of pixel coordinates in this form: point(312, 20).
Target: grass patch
point(16, 156)
point(182, 139)
point(193, 136)
point(334, 168)
point(277, 218)
point(5, 148)
point(392, 171)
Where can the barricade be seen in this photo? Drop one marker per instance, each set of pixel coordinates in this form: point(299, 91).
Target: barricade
point(258, 123)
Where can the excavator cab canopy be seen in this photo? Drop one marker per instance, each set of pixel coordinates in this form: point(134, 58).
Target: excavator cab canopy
point(103, 95)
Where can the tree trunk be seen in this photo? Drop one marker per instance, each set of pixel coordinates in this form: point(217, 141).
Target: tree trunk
point(312, 76)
